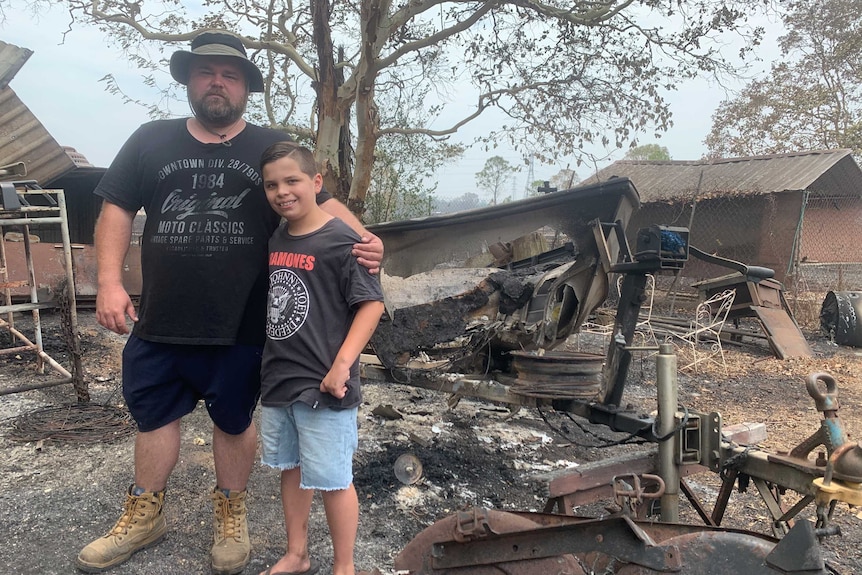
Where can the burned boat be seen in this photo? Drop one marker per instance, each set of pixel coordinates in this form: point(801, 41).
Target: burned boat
point(446, 312)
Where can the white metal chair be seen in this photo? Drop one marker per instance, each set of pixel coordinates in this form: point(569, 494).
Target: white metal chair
point(709, 319)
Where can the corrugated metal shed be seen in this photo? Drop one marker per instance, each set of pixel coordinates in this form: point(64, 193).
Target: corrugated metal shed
point(833, 172)
point(11, 59)
point(22, 137)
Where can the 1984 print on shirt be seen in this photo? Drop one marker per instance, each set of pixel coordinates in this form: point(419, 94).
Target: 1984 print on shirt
point(205, 198)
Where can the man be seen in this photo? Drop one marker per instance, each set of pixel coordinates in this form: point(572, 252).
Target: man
point(200, 327)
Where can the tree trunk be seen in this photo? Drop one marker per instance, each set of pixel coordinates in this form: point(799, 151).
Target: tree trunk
point(332, 148)
point(366, 122)
point(367, 118)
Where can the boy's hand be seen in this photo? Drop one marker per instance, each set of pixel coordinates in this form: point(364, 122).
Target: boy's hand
point(335, 382)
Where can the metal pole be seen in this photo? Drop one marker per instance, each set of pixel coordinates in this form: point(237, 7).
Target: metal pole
point(69, 263)
point(34, 297)
point(666, 384)
point(4, 272)
point(69, 305)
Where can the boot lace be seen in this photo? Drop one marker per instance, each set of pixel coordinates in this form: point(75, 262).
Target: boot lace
point(132, 508)
point(229, 514)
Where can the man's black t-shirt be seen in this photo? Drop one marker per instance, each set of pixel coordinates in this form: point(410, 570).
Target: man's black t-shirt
point(204, 246)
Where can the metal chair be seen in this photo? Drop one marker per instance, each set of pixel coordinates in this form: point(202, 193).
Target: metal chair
point(709, 319)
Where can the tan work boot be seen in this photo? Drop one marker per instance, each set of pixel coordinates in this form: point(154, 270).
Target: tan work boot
point(141, 525)
point(231, 546)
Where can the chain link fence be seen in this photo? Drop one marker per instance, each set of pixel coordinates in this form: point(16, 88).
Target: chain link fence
point(807, 237)
point(828, 255)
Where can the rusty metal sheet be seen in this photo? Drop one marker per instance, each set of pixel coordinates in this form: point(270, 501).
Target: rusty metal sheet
point(26, 140)
point(50, 270)
point(833, 170)
point(783, 334)
point(486, 541)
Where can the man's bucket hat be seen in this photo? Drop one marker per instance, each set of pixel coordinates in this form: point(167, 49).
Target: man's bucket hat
point(215, 44)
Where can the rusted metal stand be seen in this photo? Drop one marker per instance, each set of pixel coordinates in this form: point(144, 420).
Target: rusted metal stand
point(762, 299)
point(23, 209)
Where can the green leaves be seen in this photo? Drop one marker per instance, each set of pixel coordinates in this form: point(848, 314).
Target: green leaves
point(495, 177)
point(811, 99)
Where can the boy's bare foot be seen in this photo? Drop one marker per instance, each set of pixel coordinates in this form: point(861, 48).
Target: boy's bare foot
point(290, 566)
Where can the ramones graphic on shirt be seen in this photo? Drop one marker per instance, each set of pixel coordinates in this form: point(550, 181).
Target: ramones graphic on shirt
point(287, 307)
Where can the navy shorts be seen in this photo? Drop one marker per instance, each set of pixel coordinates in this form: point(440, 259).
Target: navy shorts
point(162, 382)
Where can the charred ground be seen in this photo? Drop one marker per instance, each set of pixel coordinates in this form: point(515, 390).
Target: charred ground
point(56, 496)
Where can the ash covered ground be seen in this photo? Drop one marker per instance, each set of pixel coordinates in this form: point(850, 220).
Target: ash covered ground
point(57, 496)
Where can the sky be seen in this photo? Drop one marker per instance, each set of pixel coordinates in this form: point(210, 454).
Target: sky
point(60, 84)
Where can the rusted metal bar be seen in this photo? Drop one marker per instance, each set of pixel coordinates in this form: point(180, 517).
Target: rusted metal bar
point(681, 325)
point(28, 221)
point(4, 268)
point(625, 323)
point(773, 504)
point(15, 307)
point(11, 350)
point(620, 538)
point(34, 298)
point(50, 361)
point(728, 481)
point(18, 334)
point(794, 476)
point(68, 304)
point(799, 506)
point(468, 386)
point(35, 386)
point(592, 481)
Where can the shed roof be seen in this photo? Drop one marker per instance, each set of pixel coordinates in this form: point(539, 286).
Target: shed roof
point(22, 137)
point(11, 59)
point(832, 172)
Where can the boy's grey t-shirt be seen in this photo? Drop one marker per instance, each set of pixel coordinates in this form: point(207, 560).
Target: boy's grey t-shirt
point(314, 285)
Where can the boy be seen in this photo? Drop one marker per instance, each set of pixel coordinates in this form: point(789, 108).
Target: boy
point(323, 309)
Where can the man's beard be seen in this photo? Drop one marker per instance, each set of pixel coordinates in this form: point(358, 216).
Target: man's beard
point(217, 112)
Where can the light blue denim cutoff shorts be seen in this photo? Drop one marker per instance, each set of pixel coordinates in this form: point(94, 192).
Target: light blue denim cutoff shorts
point(321, 442)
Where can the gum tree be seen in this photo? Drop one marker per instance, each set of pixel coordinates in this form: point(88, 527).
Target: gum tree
point(650, 152)
point(495, 176)
point(812, 96)
point(556, 76)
